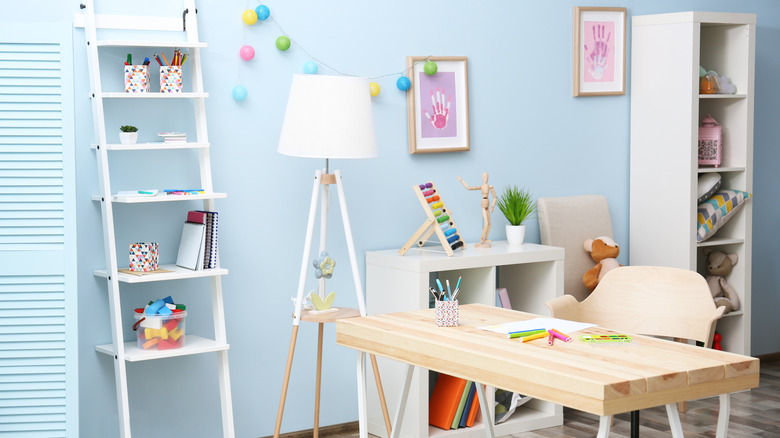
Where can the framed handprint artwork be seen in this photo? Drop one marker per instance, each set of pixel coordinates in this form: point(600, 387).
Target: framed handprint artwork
point(438, 105)
point(599, 51)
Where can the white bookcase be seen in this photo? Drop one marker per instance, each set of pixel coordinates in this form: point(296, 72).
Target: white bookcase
point(120, 351)
point(532, 275)
point(666, 109)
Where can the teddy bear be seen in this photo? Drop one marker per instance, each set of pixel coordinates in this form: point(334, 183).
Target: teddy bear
point(719, 265)
point(604, 251)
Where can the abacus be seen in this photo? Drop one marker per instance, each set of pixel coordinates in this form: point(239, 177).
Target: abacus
point(439, 221)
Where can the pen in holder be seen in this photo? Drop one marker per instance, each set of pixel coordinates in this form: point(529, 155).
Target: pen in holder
point(170, 79)
point(137, 79)
point(446, 313)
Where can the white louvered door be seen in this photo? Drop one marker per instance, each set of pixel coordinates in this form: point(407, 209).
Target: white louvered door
point(38, 331)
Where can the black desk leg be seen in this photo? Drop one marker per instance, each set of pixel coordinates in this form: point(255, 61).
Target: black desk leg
point(634, 424)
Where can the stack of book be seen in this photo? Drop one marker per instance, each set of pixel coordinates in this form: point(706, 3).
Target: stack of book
point(453, 403)
point(173, 137)
point(198, 247)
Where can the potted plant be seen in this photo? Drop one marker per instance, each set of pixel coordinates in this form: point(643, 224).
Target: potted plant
point(128, 134)
point(517, 206)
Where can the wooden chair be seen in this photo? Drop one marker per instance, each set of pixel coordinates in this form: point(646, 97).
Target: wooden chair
point(655, 301)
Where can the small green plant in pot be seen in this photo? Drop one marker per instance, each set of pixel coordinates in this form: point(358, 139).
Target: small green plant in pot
point(128, 134)
point(517, 205)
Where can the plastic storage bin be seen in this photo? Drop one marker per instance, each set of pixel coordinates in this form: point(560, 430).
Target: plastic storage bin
point(161, 332)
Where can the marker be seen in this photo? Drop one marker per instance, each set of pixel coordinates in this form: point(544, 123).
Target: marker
point(455, 294)
point(559, 335)
point(145, 192)
point(129, 59)
point(449, 292)
point(438, 283)
point(550, 338)
point(457, 286)
point(514, 335)
point(532, 337)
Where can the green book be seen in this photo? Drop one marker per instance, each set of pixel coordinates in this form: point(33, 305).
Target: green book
point(461, 405)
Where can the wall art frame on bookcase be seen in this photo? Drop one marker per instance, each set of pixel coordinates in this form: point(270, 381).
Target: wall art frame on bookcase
point(438, 105)
point(599, 51)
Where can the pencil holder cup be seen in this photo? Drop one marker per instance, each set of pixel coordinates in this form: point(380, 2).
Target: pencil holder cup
point(137, 79)
point(446, 313)
point(170, 79)
point(144, 256)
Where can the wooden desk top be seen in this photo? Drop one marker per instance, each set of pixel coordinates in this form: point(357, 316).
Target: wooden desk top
point(603, 379)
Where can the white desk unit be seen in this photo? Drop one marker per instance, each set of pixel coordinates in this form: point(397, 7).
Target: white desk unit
point(532, 275)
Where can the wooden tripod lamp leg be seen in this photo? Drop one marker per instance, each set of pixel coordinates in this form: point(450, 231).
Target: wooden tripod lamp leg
point(290, 354)
point(381, 393)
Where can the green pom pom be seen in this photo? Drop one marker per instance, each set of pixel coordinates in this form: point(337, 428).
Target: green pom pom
point(282, 43)
point(431, 68)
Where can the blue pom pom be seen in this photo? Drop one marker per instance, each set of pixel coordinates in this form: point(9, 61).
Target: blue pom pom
point(239, 92)
point(262, 12)
point(403, 83)
point(310, 68)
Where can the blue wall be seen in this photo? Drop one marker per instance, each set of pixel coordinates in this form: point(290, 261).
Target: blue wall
point(526, 129)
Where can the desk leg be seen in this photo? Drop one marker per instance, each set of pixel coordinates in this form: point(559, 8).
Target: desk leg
point(674, 420)
point(399, 413)
point(485, 407)
point(605, 423)
point(361, 376)
point(723, 416)
point(634, 424)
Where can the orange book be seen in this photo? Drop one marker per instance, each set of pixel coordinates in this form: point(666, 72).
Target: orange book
point(473, 412)
point(445, 400)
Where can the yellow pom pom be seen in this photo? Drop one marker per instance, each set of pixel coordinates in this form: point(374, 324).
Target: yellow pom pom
point(249, 16)
point(374, 87)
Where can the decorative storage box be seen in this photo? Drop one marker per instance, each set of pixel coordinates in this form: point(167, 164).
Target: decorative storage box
point(160, 332)
point(137, 79)
point(144, 256)
point(170, 79)
point(446, 313)
point(710, 142)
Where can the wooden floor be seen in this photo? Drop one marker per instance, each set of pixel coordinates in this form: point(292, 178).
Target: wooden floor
point(754, 413)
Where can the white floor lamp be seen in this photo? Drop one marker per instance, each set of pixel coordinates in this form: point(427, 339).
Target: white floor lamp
point(328, 117)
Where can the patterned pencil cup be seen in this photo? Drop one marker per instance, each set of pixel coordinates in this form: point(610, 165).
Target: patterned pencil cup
point(137, 79)
point(170, 79)
point(446, 313)
point(710, 142)
point(144, 256)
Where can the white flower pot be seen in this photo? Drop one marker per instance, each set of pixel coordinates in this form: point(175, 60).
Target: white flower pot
point(515, 234)
point(128, 137)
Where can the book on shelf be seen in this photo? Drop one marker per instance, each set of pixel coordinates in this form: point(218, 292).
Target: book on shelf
point(503, 298)
point(461, 405)
point(470, 401)
point(192, 246)
point(444, 401)
point(210, 253)
point(173, 137)
point(473, 411)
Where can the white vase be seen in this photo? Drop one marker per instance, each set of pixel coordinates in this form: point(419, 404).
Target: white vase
point(515, 234)
point(128, 137)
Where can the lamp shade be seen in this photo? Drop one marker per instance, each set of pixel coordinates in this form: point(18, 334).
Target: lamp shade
point(328, 117)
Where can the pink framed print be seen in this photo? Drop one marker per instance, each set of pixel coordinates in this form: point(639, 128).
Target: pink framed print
point(438, 105)
point(599, 51)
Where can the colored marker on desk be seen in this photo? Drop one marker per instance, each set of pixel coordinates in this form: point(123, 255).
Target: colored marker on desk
point(550, 338)
point(520, 334)
point(561, 336)
point(532, 337)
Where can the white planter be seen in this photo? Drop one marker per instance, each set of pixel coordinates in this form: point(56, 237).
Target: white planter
point(128, 137)
point(515, 234)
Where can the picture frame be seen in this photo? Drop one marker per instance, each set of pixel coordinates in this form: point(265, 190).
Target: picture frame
point(438, 105)
point(599, 51)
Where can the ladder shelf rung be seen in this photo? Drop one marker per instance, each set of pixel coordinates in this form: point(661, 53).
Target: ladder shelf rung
point(151, 146)
point(177, 273)
point(153, 95)
point(161, 197)
point(138, 43)
point(192, 345)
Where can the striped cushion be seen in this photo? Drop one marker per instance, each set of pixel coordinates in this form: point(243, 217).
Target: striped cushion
point(716, 211)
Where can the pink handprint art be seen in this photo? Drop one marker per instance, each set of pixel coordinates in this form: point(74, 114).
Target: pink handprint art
point(441, 111)
point(599, 51)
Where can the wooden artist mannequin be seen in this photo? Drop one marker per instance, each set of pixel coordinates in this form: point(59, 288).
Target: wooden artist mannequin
point(487, 208)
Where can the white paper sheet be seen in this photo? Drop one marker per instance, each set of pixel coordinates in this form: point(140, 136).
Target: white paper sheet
point(562, 325)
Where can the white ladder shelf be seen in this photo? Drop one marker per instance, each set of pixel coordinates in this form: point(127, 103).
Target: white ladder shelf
point(122, 351)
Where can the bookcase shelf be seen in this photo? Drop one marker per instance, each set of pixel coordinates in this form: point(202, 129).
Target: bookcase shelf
point(178, 273)
point(122, 351)
point(532, 275)
point(193, 345)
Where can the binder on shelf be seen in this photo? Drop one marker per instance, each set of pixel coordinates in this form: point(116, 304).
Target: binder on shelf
point(192, 246)
point(470, 401)
point(444, 400)
point(461, 405)
point(210, 255)
point(503, 297)
point(474, 411)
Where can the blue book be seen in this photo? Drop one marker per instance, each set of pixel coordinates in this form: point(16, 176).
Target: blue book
point(469, 401)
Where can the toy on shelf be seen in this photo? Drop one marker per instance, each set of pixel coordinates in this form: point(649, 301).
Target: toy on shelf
point(161, 325)
point(487, 208)
point(719, 265)
point(439, 221)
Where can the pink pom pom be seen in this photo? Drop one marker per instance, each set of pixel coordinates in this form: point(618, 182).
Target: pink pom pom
point(247, 52)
